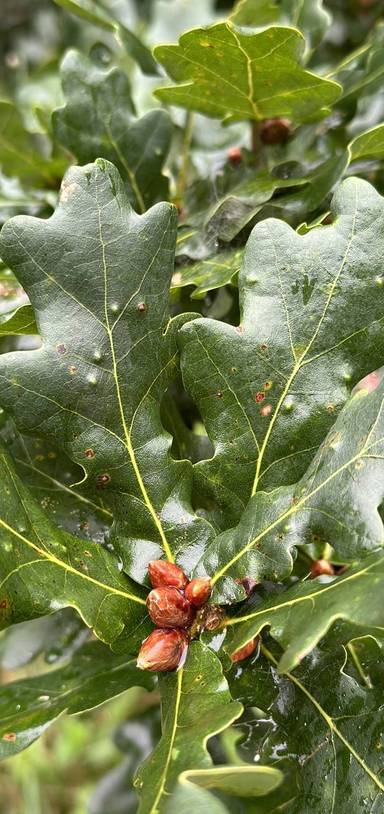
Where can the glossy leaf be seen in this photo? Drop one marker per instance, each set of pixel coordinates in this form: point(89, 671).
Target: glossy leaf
point(244, 781)
point(20, 321)
point(54, 481)
point(196, 704)
point(310, 327)
point(335, 503)
point(234, 76)
point(98, 121)
point(301, 616)
point(18, 153)
point(45, 569)
point(207, 275)
point(96, 13)
point(369, 144)
point(54, 638)
point(93, 394)
point(92, 676)
point(326, 718)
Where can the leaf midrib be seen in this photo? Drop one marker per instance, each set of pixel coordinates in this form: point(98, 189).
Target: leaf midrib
point(312, 597)
point(161, 790)
point(295, 507)
point(127, 436)
point(329, 721)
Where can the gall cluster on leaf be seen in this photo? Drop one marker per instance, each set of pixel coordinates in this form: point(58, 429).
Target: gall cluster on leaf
point(172, 605)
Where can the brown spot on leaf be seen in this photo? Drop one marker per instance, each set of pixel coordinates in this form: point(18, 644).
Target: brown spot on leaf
point(10, 737)
point(3, 604)
point(260, 396)
point(66, 191)
point(89, 453)
point(103, 480)
point(72, 370)
point(61, 349)
point(266, 411)
point(141, 307)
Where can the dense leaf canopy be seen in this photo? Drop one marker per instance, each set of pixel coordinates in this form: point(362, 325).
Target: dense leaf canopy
point(191, 371)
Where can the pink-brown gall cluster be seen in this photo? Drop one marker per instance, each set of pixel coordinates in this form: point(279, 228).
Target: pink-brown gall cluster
point(172, 605)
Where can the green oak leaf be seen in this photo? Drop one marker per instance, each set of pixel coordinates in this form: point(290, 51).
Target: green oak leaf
point(16, 314)
point(309, 16)
point(98, 121)
point(19, 321)
point(301, 616)
point(233, 211)
point(362, 70)
point(289, 192)
point(244, 781)
point(92, 676)
point(326, 718)
point(54, 638)
point(310, 327)
point(52, 479)
point(95, 12)
point(330, 503)
point(369, 144)
point(98, 276)
point(19, 155)
point(44, 569)
point(226, 73)
point(196, 704)
point(188, 797)
point(209, 274)
point(90, 10)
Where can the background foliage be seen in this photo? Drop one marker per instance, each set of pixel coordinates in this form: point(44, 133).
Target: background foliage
point(260, 329)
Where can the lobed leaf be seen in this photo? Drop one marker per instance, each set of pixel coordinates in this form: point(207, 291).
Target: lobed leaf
point(232, 75)
point(95, 391)
point(336, 502)
point(311, 325)
point(44, 568)
point(301, 616)
point(53, 480)
point(326, 718)
point(98, 121)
